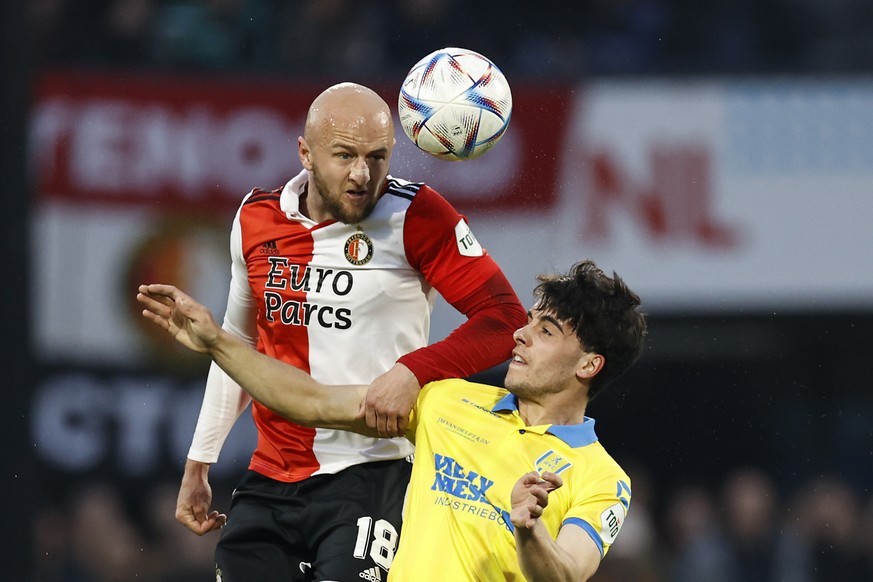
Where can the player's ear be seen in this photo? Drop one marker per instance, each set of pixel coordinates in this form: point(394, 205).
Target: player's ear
point(304, 153)
point(589, 366)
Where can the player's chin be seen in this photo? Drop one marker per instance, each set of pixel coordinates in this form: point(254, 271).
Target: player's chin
point(513, 382)
point(516, 370)
point(357, 207)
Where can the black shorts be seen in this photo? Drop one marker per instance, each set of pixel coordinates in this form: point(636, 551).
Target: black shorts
point(342, 527)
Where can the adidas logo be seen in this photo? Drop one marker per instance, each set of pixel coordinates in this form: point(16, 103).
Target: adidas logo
point(371, 574)
point(269, 248)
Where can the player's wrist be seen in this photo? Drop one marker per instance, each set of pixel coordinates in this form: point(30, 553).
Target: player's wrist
point(196, 468)
point(406, 373)
point(222, 343)
point(420, 373)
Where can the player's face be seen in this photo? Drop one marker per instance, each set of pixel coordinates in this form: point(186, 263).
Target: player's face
point(348, 163)
point(546, 357)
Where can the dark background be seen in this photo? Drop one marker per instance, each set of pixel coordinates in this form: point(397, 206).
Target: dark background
point(785, 392)
point(18, 467)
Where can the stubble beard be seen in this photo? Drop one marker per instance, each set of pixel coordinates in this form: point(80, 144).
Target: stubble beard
point(519, 388)
point(525, 389)
point(334, 206)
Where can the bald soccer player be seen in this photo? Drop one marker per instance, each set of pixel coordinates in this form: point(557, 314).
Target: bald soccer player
point(336, 274)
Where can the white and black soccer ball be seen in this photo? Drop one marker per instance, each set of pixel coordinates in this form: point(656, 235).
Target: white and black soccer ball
point(455, 104)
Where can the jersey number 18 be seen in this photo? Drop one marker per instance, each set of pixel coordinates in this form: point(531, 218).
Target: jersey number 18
point(384, 541)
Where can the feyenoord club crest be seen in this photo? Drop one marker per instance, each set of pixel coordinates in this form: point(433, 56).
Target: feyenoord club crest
point(359, 249)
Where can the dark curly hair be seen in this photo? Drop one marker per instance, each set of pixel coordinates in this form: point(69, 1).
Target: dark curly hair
point(603, 312)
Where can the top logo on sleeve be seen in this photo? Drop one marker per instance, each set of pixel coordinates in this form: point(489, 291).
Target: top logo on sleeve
point(467, 243)
point(611, 520)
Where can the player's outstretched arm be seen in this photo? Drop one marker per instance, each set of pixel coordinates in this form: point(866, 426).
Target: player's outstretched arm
point(277, 385)
point(572, 556)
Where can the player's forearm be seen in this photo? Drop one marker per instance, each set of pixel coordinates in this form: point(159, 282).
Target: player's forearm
point(223, 402)
point(541, 558)
point(286, 389)
point(481, 342)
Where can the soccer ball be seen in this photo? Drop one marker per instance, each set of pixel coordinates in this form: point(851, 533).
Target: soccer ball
point(455, 104)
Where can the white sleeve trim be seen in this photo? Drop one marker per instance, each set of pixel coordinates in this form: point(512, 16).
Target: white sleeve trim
point(223, 399)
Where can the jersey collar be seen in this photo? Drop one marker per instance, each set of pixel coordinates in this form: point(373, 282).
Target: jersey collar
point(289, 199)
point(575, 435)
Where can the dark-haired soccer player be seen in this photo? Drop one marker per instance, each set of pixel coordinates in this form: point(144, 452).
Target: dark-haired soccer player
point(506, 483)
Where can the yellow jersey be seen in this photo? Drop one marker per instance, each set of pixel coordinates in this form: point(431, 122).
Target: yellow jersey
point(471, 448)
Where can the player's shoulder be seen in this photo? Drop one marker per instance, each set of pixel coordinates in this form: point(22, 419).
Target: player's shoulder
point(460, 389)
point(403, 188)
point(447, 384)
point(420, 192)
point(421, 200)
point(601, 464)
point(262, 196)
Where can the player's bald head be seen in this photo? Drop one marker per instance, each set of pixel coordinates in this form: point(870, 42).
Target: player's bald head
point(350, 106)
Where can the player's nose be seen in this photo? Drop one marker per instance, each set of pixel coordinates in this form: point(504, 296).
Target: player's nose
point(360, 173)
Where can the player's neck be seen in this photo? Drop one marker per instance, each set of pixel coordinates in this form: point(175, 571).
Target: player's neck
point(303, 202)
point(552, 409)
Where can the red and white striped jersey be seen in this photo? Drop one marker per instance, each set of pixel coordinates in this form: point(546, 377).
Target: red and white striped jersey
point(342, 302)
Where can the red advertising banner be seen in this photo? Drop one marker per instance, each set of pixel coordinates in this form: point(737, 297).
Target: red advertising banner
point(206, 141)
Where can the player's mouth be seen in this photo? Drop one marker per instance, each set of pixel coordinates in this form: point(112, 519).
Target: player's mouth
point(357, 195)
point(517, 360)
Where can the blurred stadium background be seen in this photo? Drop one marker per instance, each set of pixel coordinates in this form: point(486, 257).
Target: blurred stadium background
point(718, 155)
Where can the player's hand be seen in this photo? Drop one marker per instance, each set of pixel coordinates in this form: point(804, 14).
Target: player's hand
point(195, 497)
point(389, 400)
point(189, 322)
point(530, 496)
